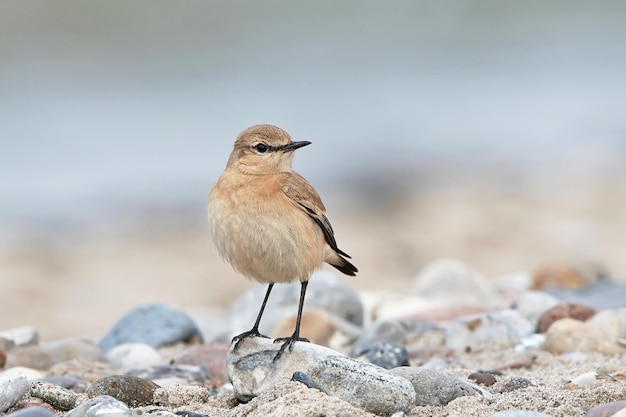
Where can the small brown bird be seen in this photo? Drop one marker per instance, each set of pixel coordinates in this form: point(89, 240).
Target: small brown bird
point(268, 222)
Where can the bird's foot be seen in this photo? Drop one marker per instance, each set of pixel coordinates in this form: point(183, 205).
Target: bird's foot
point(245, 335)
point(287, 343)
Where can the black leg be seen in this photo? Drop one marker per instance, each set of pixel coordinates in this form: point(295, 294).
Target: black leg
point(295, 337)
point(254, 332)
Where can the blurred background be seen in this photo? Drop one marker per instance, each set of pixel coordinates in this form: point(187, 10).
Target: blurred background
point(491, 132)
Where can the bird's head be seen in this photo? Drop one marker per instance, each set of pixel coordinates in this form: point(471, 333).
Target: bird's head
point(263, 149)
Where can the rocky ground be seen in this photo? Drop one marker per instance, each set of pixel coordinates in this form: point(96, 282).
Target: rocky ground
point(481, 302)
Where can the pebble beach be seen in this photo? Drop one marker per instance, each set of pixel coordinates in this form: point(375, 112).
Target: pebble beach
point(451, 317)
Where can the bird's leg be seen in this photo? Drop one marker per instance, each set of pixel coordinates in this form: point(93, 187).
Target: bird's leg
point(295, 337)
point(254, 332)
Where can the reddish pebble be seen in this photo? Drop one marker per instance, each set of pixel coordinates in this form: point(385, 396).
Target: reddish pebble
point(561, 311)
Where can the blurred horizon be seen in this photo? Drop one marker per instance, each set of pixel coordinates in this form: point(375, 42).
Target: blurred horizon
point(115, 106)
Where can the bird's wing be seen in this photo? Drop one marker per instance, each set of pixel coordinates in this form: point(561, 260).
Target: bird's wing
point(298, 190)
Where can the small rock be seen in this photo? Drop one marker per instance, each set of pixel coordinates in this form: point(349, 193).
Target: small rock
point(386, 354)
point(433, 387)
point(21, 336)
point(584, 380)
point(601, 296)
point(453, 283)
point(607, 409)
point(513, 384)
point(559, 275)
point(520, 413)
point(569, 335)
point(166, 375)
point(483, 330)
point(384, 330)
point(102, 406)
point(482, 378)
point(12, 389)
point(610, 322)
point(532, 304)
point(45, 355)
point(131, 390)
point(29, 373)
point(180, 395)
point(561, 311)
point(531, 342)
point(326, 291)
point(211, 357)
point(33, 412)
point(252, 371)
point(58, 397)
point(302, 378)
point(155, 325)
point(133, 356)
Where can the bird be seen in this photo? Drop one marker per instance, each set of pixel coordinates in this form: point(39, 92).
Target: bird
point(269, 223)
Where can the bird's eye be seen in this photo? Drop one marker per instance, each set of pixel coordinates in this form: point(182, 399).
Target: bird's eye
point(261, 147)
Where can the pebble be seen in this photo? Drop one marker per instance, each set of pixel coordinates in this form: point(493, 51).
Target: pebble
point(569, 335)
point(563, 310)
point(434, 387)
point(610, 322)
point(211, 357)
point(303, 378)
point(55, 395)
point(252, 372)
point(131, 390)
point(483, 330)
point(386, 354)
point(607, 409)
point(20, 336)
point(12, 389)
point(515, 383)
point(153, 324)
point(45, 355)
point(482, 378)
point(166, 375)
point(601, 295)
point(326, 291)
point(584, 380)
point(381, 330)
point(101, 406)
point(453, 283)
point(560, 275)
point(532, 304)
point(133, 356)
point(30, 373)
point(34, 411)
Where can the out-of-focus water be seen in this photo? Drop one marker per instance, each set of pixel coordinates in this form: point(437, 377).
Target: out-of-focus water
point(120, 104)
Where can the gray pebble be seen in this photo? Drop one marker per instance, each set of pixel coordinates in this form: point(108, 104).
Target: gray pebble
point(252, 371)
point(482, 330)
point(12, 389)
point(154, 324)
point(381, 330)
point(101, 406)
point(302, 378)
point(387, 354)
point(55, 395)
point(32, 412)
point(433, 387)
point(131, 390)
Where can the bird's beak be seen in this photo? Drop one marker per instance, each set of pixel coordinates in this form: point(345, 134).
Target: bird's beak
point(290, 147)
